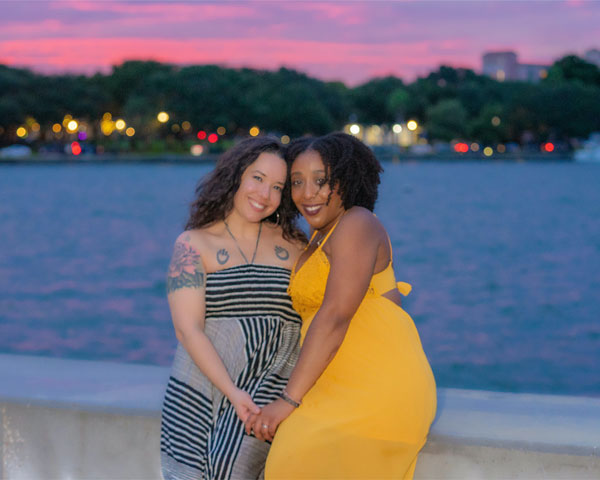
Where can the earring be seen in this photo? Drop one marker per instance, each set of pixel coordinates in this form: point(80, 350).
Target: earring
point(277, 222)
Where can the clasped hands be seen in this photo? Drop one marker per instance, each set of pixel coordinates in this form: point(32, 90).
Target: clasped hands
point(265, 423)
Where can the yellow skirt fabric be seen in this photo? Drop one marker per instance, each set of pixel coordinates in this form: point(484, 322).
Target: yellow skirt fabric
point(369, 413)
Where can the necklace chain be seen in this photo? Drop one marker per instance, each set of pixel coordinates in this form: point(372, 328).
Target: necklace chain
point(238, 245)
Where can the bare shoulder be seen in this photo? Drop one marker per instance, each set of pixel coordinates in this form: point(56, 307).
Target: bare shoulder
point(194, 238)
point(185, 269)
point(357, 224)
point(285, 250)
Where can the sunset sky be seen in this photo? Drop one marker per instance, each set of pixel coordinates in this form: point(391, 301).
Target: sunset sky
point(348, 41)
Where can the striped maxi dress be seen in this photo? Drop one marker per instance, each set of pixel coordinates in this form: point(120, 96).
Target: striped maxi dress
point(250, 321)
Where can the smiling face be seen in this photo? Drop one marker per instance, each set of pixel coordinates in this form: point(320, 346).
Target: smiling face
point(259, 193)
point(317, 202)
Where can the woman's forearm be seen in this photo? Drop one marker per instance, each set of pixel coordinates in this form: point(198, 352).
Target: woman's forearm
point(323, 339)
point(207, 359)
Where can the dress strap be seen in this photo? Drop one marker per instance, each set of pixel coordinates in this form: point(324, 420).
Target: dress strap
point(326, 237)
point(391, 249)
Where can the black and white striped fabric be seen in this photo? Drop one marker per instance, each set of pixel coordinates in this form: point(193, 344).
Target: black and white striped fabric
point(251, 323)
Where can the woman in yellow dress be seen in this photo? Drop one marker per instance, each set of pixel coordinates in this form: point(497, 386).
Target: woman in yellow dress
point(361, 399)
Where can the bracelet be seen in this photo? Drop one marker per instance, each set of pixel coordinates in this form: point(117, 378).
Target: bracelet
point(286, 397)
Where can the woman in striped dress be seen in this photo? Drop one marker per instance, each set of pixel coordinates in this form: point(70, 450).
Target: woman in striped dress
point(238, 334)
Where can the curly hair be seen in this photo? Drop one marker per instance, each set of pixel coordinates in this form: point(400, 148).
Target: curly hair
point(351, 166)
point(215, 192)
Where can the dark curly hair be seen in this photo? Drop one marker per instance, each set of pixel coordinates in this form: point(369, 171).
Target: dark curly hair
point(215, 192)
point(351, 166)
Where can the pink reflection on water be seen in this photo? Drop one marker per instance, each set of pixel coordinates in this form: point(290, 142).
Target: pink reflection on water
point(122, 306)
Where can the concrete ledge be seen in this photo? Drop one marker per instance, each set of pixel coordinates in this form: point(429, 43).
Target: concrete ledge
point(81, 419)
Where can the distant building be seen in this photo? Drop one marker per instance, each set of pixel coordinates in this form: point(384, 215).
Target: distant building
point(592, 56)
point(500, 65)
point(505, 66)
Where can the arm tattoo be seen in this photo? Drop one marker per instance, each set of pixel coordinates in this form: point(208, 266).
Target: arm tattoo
point(281, 253)
point(185, 269)
point(222, 256)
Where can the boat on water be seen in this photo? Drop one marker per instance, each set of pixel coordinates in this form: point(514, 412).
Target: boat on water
point(590, 153)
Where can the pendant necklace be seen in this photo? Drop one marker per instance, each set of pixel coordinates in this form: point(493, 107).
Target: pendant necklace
point(238, 245)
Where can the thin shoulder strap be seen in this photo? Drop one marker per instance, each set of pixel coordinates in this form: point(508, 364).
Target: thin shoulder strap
point(311, 238)
point(329, 233)
point(391, 249)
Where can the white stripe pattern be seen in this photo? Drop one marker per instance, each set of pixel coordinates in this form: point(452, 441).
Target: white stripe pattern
point(201, 436)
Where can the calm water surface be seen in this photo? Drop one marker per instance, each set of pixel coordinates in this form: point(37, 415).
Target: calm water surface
point(504, 259)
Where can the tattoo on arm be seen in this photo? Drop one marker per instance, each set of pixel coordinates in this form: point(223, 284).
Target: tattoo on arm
point(281, 253)
point(186, 269)
point(222, 256)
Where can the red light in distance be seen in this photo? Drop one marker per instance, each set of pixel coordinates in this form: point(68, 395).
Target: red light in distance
point(201, 135)
point(213, 137)
point(461, 147)
point(549, 147)
point(75, 148)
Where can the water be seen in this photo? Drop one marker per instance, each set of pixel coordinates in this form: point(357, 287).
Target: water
point(504, 259)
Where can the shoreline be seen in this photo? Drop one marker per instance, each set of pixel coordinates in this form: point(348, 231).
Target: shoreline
point(384, 157)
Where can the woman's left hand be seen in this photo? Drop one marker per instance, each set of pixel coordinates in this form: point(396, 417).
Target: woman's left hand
point(264, 424)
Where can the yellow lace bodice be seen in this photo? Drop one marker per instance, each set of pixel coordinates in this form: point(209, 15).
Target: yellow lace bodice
point(307, 284)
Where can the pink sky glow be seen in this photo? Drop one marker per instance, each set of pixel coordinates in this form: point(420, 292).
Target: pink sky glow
point(347, 41)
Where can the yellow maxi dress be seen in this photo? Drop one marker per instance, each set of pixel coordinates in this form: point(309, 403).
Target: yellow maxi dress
point(369, 413)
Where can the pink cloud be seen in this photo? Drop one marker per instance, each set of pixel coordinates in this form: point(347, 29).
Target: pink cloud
point(318, 58)
point(25, 29)
point(167, 10)
point(344, 14)
point(331, 40)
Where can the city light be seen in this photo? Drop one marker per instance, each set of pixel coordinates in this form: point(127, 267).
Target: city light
point(354, 129)
point(221, 130)
point(67, 118)
point(501, 148)
point(196, 150)
point(254, 131)
point(35, 127)
point(175, 128)
point(120, 124)
point(201, 135)
point(72, 126)
point(285, 139)
point(475, 147)
point(130, 132)
point(212, 138)
point(82, 136)
point(186, 126)
point(412, 125)
point(397, 128)
point(107, 126)
point(21, 132)
point(495, 121)
point(56, 128)
point(461, 147)
point(107, 116)
point(163, 117)
point(488, 151)
point(548, 147)
point(75, 148)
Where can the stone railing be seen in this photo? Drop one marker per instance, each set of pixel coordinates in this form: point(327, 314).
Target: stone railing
point(69, 419)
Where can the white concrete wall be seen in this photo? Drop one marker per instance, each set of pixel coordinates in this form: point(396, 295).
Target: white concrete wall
point(64, 419)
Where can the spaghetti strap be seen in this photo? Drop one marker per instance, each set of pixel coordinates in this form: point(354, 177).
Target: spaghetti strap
point(329, 233)
point(391, 249)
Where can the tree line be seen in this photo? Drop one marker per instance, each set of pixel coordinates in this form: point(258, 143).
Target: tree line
point(449, 103)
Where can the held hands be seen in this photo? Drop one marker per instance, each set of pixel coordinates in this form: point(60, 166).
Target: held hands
point(265, 423)
point(243, 404)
